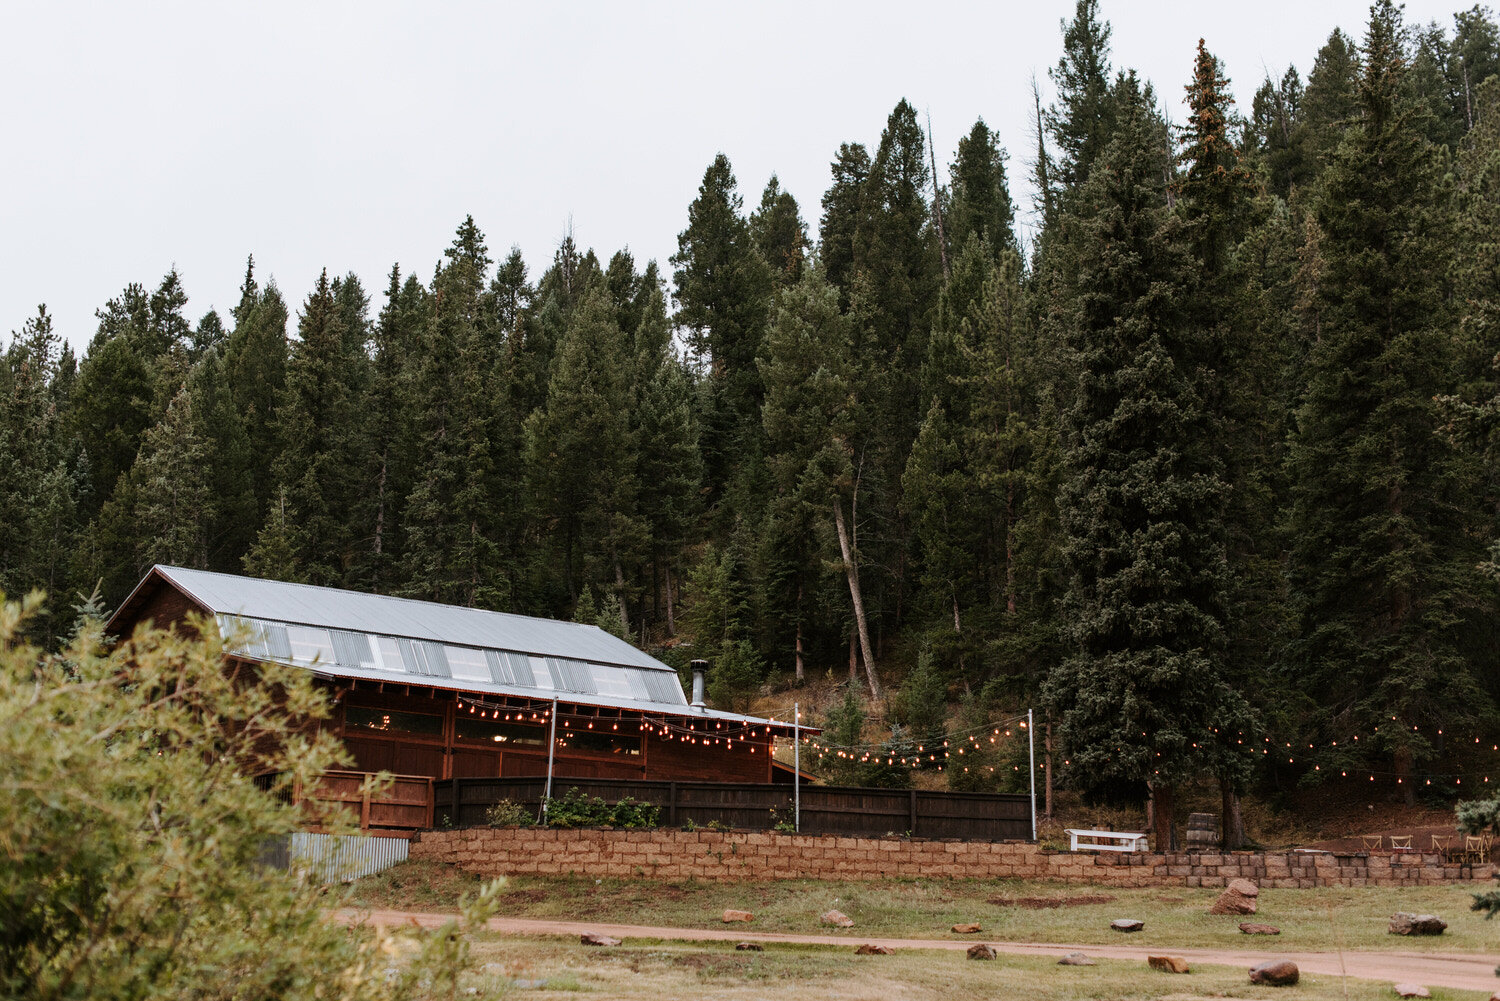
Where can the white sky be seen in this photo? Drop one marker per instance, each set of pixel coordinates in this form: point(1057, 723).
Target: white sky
point(354, 135)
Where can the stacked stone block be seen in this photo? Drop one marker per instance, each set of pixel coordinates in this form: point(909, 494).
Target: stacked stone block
point(754, 855)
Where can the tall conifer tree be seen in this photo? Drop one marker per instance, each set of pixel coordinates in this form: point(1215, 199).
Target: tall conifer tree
point(1384, 550)
point(1143, 496)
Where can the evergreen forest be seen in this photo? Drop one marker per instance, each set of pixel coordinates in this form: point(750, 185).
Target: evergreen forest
point(1201, 464)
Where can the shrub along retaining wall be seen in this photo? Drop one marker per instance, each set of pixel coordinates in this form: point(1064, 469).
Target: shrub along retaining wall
point(669, 854)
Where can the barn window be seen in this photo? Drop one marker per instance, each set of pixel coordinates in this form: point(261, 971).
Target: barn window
point(392, 721)
point(491, 731)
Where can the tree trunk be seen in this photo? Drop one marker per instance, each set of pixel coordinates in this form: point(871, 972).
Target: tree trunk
point(379, 520)
point(1403, 760)
point(851, 570)
point(1231, 822)
point(958, 631)
point(620, 596)
point(1163, 830)
point(1010, 552)
point(937, 202)
point(1047, 767)
point(671, 614)
point(801, 677)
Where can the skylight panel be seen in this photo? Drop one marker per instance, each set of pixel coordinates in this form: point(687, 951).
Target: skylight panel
point(352, 649)
point(663, 686)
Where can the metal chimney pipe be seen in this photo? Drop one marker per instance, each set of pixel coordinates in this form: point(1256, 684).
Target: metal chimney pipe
point(700, 679)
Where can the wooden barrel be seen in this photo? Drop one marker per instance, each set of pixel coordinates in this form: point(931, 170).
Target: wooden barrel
point(1202, 830)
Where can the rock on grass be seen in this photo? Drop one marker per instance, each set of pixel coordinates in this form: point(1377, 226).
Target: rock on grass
point(1275, 973)
point(590, 938)
point(1238, 898)
point(1416, 924)
point(836, 918)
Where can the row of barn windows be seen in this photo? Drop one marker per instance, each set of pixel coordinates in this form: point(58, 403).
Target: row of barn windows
point(312, 645)
point(395, 722)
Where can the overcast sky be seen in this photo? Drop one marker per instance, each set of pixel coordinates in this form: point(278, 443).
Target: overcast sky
point(354, 135)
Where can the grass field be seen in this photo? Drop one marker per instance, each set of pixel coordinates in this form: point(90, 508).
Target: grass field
point(539, 968)
point(1311, 920)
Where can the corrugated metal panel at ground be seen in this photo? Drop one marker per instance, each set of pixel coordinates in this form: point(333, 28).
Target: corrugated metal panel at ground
point(339, 859)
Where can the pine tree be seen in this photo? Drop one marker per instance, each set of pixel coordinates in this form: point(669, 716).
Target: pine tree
point(319, 433)
point(1278, 134)
point(1473, 57)
point(723, 291)
point(255, 357)
point(274, 555)
point(780, 234)
point(1331, 101)
point(980, 194)
point(390, 455)
point(1215, 193)
point(895, 253)
point(168, 326)
point(812, 413)
point(229, 468)
point(209, 333)
point(843, 210)
point(114, 396)
point(37, 494)
point(1081, 123)
point(1382, 564)
point(924, 700)
point(581, 453)
point(670, 468)
point(1143, 496)
point(173, 505)
point(451, 551)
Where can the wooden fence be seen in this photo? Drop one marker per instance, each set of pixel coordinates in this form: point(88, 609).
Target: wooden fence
point(825, 809)
point(403, 806)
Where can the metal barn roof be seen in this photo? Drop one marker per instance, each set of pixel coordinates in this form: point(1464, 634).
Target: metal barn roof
point(371, 637)
point(306, 604)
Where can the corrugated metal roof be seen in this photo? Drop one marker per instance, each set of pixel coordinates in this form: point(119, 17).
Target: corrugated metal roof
point(355, 636)
point(330, 607)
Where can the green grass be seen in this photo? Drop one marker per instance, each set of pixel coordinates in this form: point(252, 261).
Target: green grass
point(1311, 920)
point(657, 970)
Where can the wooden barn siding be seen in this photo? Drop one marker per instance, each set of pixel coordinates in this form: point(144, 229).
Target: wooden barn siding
point(165, 606)
point(444, 757)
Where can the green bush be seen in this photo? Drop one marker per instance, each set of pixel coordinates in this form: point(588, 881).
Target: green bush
point(133, 829)
point(574, 809)
point(509, 813)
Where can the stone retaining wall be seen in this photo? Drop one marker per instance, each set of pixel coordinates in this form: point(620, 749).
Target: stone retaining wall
point(753, 855)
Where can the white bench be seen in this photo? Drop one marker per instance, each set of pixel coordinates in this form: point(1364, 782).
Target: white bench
point(1107, 841)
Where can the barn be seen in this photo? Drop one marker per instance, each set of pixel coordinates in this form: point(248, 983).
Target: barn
point(447, 692)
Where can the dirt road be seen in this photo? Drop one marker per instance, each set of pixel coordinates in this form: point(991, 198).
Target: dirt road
point(1466, 972)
